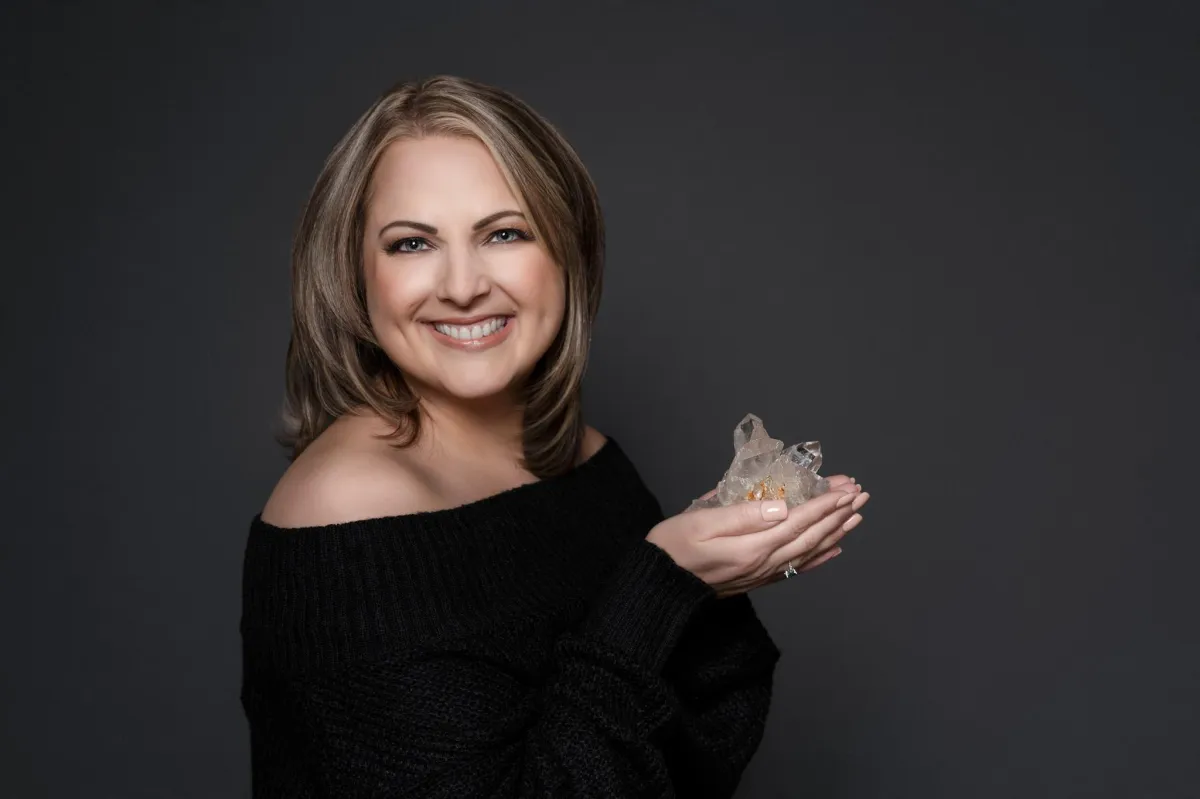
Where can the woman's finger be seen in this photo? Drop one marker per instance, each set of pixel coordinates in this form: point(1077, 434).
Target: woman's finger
point(839, 481)
point(811, 540)
point(830, 541)
point(741, 522)
point(815, 562)
point(800, 553)
point(801, 519)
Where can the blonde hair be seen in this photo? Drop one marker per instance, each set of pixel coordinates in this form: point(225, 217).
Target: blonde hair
point(334, 363)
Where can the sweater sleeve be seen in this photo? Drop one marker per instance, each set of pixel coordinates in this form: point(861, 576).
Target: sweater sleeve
point(722, 671)
point(465, 719)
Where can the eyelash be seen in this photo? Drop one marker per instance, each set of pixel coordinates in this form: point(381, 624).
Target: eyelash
point(395, 247)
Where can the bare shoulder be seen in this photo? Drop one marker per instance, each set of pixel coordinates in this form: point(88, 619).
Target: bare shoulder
point(593, 440)
point(343, 477)
point(344, 483)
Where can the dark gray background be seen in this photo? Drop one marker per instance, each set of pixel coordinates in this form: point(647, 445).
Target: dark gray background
point(958, 244)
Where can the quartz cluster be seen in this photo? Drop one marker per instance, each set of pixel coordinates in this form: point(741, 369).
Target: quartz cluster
point(763, 469)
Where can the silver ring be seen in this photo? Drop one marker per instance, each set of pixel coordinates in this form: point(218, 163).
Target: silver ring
point(790, 570)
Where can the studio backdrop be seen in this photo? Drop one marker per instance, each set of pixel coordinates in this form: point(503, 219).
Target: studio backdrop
point(956, 243)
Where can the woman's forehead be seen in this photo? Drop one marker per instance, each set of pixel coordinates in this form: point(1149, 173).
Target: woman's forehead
point(454, 178)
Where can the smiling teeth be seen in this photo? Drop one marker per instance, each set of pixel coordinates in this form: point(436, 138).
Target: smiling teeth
point(467, 333)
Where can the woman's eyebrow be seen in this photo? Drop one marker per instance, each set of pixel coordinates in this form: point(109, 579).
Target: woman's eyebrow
point(431, 230)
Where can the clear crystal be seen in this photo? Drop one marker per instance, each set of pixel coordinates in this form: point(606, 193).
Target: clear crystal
point(763, 469)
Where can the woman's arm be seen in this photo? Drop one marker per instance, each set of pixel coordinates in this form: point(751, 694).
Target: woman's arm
point(722, 672)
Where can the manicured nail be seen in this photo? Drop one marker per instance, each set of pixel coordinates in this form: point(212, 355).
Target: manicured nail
point(846, 500)
point(774, 510)
point(861, 500)
point(852, 522)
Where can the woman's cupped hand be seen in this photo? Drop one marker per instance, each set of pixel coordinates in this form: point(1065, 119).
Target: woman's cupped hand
point(746, 545)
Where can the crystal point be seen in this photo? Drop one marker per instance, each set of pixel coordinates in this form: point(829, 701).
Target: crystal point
point(762, 469)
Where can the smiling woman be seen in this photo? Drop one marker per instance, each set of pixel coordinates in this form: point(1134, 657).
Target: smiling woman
point(474, 270)
point(457, 587)
point(448, 201)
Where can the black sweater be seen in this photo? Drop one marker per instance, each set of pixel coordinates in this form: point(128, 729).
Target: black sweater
point(529, 644)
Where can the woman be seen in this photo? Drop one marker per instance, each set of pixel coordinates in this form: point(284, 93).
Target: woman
point(458, 588)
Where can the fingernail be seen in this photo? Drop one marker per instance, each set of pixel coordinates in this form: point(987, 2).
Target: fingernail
point(846, 500)
point(774, 510)
point(861, 500)
point(852, 480)
point(852, 522)
point(836, 552)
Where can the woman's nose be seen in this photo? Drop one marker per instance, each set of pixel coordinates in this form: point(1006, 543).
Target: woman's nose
point(464, 277)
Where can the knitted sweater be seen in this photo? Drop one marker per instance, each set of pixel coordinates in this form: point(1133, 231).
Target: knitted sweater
point(529, 644)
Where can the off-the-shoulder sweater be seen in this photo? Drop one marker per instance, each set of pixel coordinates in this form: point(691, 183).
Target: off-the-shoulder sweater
point(529, 644)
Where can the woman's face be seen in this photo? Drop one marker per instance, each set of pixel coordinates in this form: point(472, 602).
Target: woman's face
point(460, 296)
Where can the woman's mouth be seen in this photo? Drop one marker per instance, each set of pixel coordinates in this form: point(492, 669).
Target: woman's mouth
point(478, 335)
point(479, 330)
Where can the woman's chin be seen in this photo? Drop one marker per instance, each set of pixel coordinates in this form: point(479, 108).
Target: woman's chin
point(477, 391)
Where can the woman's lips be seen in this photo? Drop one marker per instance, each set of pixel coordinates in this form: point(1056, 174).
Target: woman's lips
point(474, 345)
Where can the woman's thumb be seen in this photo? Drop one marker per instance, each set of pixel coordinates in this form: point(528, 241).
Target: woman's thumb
point(747, 517)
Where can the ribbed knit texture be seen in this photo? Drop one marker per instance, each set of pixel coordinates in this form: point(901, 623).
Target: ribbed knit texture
point(529, 644)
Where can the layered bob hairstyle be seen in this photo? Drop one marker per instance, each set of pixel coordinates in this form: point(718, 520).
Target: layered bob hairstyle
point(334, 362)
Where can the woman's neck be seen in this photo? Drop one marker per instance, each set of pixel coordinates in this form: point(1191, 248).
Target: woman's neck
point(490, 428)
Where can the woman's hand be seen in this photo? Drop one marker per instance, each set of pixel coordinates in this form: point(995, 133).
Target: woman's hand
point(743, 546)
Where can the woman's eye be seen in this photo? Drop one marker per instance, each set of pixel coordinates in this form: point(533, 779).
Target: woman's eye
point(418, 244)
point(406, 245)
point(511, 234)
